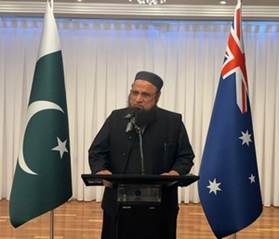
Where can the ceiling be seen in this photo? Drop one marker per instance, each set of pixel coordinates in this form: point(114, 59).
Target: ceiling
point(173, 9)
point(179, 2)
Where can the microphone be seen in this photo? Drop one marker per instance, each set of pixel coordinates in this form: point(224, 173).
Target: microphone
point(130, 125)
point(131, 117)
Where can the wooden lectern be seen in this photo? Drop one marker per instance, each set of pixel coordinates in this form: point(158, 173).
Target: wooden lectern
point(140, 197)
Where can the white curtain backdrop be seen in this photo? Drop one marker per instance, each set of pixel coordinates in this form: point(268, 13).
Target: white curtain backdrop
point(101, 58)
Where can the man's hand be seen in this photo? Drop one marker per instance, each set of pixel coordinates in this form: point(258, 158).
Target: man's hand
point(171, 173)
point(105, 172)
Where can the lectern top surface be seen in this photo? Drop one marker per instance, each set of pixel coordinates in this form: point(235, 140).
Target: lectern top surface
point(95, 180)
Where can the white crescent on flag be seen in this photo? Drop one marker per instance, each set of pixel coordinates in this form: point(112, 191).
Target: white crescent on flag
point(33, 109)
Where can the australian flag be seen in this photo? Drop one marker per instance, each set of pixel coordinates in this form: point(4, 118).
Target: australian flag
point(229, 187)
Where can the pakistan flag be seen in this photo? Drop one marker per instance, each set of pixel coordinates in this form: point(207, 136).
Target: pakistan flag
point(42, 179)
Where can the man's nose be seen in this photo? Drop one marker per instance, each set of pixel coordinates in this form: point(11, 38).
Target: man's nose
point(139, 98)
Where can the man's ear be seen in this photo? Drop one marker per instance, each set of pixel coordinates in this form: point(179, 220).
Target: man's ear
point(158, 94)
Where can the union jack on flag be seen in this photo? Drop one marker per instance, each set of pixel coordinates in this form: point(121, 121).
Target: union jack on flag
point(229, 186)
point(235, 61)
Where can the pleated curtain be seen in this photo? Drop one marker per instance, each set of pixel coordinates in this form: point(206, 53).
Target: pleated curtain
point(101, 58)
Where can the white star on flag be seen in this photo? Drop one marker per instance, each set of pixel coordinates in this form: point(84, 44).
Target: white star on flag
point(246, 137)
point(252, 178)
point(214, 186)
point(61, 147)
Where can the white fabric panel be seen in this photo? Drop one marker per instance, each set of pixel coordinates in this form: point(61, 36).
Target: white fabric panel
point(50, 42)
point(275, 189)
point(101, 58)
point(2, 108)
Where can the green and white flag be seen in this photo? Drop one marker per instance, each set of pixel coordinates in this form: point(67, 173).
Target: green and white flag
point(42, 179)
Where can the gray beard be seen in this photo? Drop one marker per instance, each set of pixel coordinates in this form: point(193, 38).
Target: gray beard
point(143, 117)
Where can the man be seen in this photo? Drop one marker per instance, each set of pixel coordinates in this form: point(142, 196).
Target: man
point(165, 150)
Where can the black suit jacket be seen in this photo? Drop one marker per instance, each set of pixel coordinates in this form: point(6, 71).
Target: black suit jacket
point(165, 144)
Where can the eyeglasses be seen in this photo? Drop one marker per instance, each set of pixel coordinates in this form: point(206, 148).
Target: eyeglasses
point(144, 95)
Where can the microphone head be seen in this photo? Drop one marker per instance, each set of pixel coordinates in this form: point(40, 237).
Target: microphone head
point(129, 127)
point(131, 117)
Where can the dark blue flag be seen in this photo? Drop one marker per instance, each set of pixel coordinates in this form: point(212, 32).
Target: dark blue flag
point(229, 187)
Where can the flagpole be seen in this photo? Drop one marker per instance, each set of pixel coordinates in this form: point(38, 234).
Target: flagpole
point(51, 228)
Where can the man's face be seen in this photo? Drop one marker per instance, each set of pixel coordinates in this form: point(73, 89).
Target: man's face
point(143, 95)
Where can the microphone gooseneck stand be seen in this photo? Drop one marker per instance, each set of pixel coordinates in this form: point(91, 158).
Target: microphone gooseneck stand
point(139, 132)
point(130, 126)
